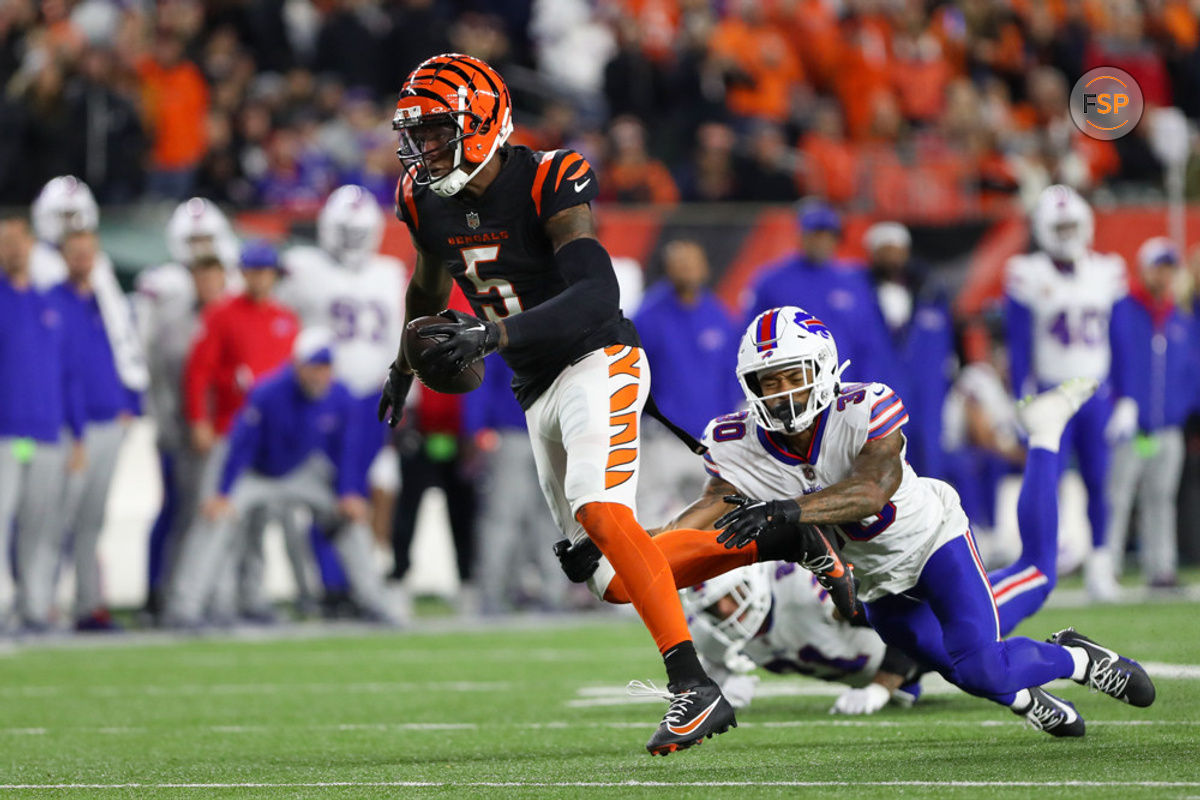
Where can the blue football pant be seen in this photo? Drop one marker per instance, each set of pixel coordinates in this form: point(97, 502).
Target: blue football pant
point(1022, 587)
point(949, 622)
point(1084, 435)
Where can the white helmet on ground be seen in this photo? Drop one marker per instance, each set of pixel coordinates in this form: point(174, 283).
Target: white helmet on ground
point(350, 226)
point(1063, 224)
point(788, 338)
point(198, 228)
point(65, 204)
point(749, 588)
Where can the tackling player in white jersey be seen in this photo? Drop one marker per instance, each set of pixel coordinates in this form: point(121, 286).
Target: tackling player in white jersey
point(347, 286)
point(813, 452)
point(1058, 302)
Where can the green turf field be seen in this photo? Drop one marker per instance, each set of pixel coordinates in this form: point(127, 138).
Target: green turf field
point(539, 711)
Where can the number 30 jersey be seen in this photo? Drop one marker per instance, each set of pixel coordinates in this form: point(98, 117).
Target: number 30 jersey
point(1070, 310)
point(888, 549)
point(496, 248)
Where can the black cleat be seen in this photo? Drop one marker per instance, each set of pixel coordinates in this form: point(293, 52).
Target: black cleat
point(697, 712)
point(820, 558)
point(579, 560)
point(1050, 714)
point(1108, 672)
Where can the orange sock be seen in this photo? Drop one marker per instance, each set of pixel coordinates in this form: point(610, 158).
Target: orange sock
point(694, 557)
point(642, 569)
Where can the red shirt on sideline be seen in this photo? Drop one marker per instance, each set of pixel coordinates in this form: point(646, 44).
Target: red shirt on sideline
point(239, 340)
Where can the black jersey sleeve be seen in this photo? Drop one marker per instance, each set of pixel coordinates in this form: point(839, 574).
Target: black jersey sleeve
point(563, 179)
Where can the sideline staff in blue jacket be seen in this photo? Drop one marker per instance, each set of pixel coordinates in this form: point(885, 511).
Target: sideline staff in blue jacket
point(1153, 376)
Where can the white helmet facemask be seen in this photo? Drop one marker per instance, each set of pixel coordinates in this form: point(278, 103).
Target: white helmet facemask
point(789, 339)
point(65, 204)
point(350, 226)
point(198, 228)
point(749, 589)
point(1063, 224)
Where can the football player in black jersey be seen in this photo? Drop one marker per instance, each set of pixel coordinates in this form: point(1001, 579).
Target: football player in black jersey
point(514, 229)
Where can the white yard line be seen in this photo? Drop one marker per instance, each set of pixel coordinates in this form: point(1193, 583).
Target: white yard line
point(612, 784)
point(394, 727)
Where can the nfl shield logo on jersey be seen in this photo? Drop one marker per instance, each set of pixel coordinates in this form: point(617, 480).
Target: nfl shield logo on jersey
point(472, 220)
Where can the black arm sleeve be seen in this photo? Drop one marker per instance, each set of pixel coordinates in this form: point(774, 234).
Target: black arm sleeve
point(591, 298)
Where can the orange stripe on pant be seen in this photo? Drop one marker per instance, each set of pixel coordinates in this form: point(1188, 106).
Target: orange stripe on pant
point(623, 422)
point(694, 556)
point(641, 567)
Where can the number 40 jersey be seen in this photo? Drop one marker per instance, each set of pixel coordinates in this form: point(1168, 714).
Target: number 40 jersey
point(1069, 308)
point(362, 306)
point(888, 549)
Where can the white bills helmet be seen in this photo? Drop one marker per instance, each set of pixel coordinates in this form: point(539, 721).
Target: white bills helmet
point(749, 588)
point(1063, 225)
point(350, 226)
point(198, 228)
point(788, 338)
point(65, 204)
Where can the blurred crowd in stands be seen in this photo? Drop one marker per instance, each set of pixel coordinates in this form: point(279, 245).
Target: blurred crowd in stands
point(918, 107)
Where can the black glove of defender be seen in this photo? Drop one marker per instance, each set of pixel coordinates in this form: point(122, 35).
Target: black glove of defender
point(747, 522)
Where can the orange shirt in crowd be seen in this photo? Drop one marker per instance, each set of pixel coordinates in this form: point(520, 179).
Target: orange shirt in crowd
point(816, 41)
point(176, 106)
point(864, 72)
point(639, 182)
point(920, 81)
point(829, 168)
point(763, 53)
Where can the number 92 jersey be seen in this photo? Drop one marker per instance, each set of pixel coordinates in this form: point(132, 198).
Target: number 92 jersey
point(496, 248)
point(888, 549)
point(1070, 310)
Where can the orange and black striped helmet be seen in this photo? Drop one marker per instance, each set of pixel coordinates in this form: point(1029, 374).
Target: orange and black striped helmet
point(453, 105)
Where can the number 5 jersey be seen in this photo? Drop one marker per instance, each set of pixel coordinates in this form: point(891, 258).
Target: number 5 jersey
point(496, 248)
point(888, 549)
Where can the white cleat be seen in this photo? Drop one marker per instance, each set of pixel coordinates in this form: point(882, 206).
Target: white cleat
point(1099, 577)
point(1045, 415)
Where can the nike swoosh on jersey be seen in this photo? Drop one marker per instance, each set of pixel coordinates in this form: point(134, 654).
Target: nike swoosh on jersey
point(579, 187)
point(696, 723)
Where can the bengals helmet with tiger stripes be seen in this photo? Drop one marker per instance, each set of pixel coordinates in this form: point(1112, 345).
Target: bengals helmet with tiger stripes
point(466, 96)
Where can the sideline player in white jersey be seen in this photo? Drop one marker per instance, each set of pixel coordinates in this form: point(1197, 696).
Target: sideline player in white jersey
point(1058, 302)
point(347, 286)
point(168, 303)
point(66, 204)
point(813, 452)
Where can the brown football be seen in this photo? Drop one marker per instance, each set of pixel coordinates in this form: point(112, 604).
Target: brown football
point(415, 346)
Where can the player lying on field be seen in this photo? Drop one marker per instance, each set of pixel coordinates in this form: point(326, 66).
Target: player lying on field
point(813, 451)
point(778, 617)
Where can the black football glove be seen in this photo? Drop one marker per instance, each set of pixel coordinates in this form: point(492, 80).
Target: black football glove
point(747, 522)
point(395, 390)
point(578, 561)
point(470, 339)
